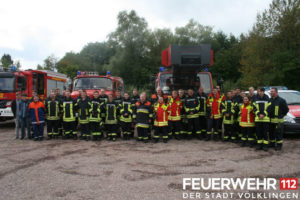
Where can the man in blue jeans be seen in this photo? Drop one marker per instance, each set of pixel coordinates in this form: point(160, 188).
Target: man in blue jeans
point(15, 109)
point(23, 116)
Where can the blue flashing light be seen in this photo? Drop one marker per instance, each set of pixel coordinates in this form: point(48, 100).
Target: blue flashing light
point(108, 73)
point(78, 72)
point(13, 68)
point(206, 69)
point(161, 69)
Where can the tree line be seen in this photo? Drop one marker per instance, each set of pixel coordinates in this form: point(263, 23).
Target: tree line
point(269, 54)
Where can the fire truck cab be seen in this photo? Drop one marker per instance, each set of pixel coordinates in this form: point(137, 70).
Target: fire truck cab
point(92, 81)
point(185, 67)
point(41, 81)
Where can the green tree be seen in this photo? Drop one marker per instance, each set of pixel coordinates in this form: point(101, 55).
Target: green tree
point(271, 52)
point(130, 38)
point(6, 60)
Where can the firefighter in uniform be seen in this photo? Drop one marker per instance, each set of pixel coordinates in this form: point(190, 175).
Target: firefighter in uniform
point(202, 98)
point(161, 111)
point(95, 120)
point(67, 107)
point(247, 122)
point(191, 107)
point(143, 114)
point(214, 121)
point(103, 99)
point(238, 102)
point(126, 111)
point(184, 121)
point(118, 101)
point(277, 110)
point(52, 112)
point(111, 110)
point(59, 98)
point(135, 96)
point(222, 97)
point(175, 114)
point(261, 103)
point(83, 106)
point(228, 110)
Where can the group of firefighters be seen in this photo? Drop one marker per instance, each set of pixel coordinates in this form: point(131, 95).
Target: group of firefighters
point(251, 120)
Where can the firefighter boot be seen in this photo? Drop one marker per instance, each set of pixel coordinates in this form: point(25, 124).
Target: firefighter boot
point(252, 144)
point(155, 140)
point(199, 136)
point(278, 147)
point(244, 143)
point(272, 144)
point(74, 137)
point(208, 137)
point(216, 137)
point(87, 138)
point(259, 146)
point(95, 137)
point(165, 140)
point(49, 137)
point(265, 147)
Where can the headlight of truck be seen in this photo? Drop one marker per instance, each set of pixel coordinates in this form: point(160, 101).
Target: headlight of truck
point(289, 118)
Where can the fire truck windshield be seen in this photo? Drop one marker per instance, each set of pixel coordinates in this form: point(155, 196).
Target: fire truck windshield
point(92, 83)
point(7, 84)
point(167, 82)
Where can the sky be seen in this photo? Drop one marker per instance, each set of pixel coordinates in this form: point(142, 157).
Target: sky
point(32, 30)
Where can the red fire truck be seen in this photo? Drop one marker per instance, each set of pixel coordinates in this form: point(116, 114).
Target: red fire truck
point(92, 81)
point(41, 81)
point(185, 67)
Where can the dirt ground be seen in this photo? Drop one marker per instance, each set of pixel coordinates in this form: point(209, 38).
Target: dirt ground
point(67, 169)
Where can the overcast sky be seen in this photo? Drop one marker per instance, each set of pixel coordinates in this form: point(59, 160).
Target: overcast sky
point(31, 30)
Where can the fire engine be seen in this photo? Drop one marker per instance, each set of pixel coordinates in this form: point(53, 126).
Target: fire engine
point(41, 81)
point(92, 81)
point(185, 67)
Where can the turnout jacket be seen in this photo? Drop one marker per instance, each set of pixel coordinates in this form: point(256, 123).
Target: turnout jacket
point(143, 113)
point(247, 115)
point(67, 106)
point(277, 110)
point(175, 109)
point(228, 107)
point(191, 106)
point(260, 105)
point(111, 111)
point(83, 107)
point(202, 98)
point(95, 110)
point(215, 106)
point(126, 107)
point(37, 112)
point(161, 112)
point(52, 109)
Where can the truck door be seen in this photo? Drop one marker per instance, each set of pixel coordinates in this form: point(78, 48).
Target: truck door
point(38, 83)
